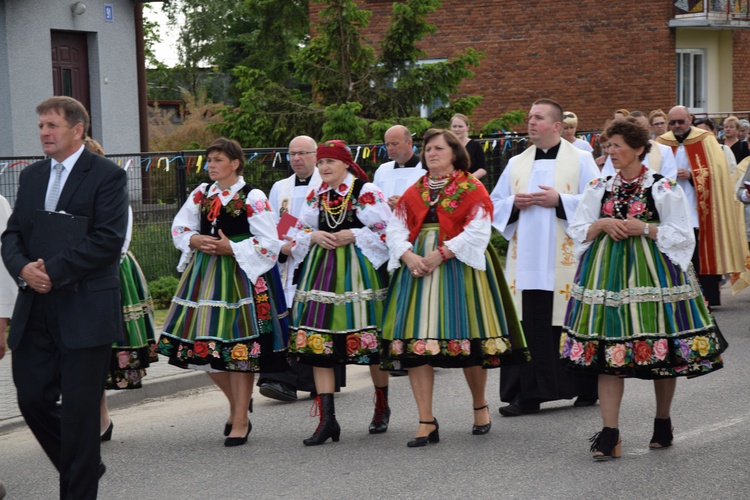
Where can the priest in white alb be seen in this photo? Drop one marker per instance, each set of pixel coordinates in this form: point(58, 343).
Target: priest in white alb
point(536, 196)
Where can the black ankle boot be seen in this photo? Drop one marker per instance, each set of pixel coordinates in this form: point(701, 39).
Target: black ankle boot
point(382, 413)
point(328, 427)
point(662, 437)
point(606, 444)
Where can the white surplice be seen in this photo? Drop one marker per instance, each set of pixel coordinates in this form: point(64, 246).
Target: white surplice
point(536, 235)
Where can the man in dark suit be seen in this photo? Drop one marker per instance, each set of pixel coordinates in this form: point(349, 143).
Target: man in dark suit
point(68, 311)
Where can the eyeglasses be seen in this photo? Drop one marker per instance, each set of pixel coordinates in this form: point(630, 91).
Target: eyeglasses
point(658, 124)
point(300, 153)
point(676, 122)
point(567, 116)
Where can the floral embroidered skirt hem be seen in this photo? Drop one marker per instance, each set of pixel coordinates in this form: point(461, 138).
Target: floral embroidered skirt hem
point(634, 313)
point(132, 355)
point(455, 317)
point(338, 308)
point(219, 318)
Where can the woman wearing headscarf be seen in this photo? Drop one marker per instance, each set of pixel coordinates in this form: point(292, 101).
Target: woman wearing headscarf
point(338, 306)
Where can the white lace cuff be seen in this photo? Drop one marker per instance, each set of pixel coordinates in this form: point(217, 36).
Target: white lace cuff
point(371, 245)
point(675, 245)
point(251, 259)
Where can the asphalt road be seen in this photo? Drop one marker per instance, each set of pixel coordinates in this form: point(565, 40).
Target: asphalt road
point(173, 447)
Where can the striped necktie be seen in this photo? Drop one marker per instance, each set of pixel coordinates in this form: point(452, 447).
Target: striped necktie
point(54, 191)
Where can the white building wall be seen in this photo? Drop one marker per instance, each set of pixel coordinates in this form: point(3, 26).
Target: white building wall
point(25, 48)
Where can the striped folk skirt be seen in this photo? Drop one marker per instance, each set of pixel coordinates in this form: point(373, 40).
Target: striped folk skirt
point(634, 313)
point(338, 308)
point(220, 319)
point(132, 355)
point(455, 317)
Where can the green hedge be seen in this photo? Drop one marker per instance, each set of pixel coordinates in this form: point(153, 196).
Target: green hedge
point(153, 248)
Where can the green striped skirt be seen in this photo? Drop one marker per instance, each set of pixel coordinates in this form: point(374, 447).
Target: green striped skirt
point(634, 313)
point(455, 317)
point(132, 355)
point(219, 318)
point(338, 308)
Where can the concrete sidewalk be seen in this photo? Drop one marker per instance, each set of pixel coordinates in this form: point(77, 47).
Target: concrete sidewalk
point(162, 379)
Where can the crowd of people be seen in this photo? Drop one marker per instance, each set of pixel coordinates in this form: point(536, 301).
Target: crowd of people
point(612, 269)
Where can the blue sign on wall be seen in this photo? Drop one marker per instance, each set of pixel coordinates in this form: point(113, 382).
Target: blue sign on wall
point(109, 13)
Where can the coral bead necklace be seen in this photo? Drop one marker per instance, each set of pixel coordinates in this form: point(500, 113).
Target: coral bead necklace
point(335, 210)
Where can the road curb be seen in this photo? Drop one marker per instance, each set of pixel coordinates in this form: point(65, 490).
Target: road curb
point(154, 388)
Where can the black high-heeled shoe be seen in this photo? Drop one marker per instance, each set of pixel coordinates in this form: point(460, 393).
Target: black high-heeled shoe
point(432, 437)
point(479, 430)
point(228, 427)
point(663, 436)
point(606, 444)
point(107, 435)
point(238, 441)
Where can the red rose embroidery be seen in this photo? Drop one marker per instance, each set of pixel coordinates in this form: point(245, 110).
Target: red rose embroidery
point(197, 197)
point(225, 193)
point(201, 349)
point(352, 344)
point(367, 199)
point(264, 311)
point(454, 347)
point(608, 207)
point(588, 354)
point(343, 188)
point(642, 351)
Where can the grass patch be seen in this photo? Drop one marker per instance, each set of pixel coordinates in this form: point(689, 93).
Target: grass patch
point(159, 316)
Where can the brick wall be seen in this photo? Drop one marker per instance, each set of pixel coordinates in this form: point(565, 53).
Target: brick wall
point(591, 56)
point(741, 69)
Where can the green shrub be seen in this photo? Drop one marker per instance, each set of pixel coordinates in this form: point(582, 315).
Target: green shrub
point(152, 246)
point(499, 243)
point(162, 290)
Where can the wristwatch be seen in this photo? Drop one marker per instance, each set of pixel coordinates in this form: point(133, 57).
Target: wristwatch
point(646, 229)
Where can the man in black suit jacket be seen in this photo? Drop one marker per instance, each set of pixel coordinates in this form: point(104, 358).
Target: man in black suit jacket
point(68, 311)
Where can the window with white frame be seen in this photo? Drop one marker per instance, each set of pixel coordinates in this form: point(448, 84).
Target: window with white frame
point(426, 110)
point(691, 79)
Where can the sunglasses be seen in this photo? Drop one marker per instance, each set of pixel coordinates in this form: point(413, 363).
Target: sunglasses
point(568, 116)
point(676, 122)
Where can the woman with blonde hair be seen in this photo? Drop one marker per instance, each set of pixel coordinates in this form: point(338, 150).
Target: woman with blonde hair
point(731, 139)
point(460, 126)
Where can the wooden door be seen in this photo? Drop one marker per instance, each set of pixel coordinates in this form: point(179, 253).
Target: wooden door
point(70, 66)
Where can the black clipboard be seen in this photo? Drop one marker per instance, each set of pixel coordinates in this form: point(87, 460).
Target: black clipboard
point(54, 232)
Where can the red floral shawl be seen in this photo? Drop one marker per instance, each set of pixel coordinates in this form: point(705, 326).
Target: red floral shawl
point(459, 202)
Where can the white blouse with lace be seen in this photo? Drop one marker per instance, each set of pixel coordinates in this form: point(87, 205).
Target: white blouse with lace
point(468, 246)
point(675, 237)
point(256, 255)
point(371, 208)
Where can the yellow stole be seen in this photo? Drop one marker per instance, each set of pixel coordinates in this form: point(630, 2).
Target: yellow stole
point(567, 171)
point(740, 281)
point(654, 157)
point(722, 245)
